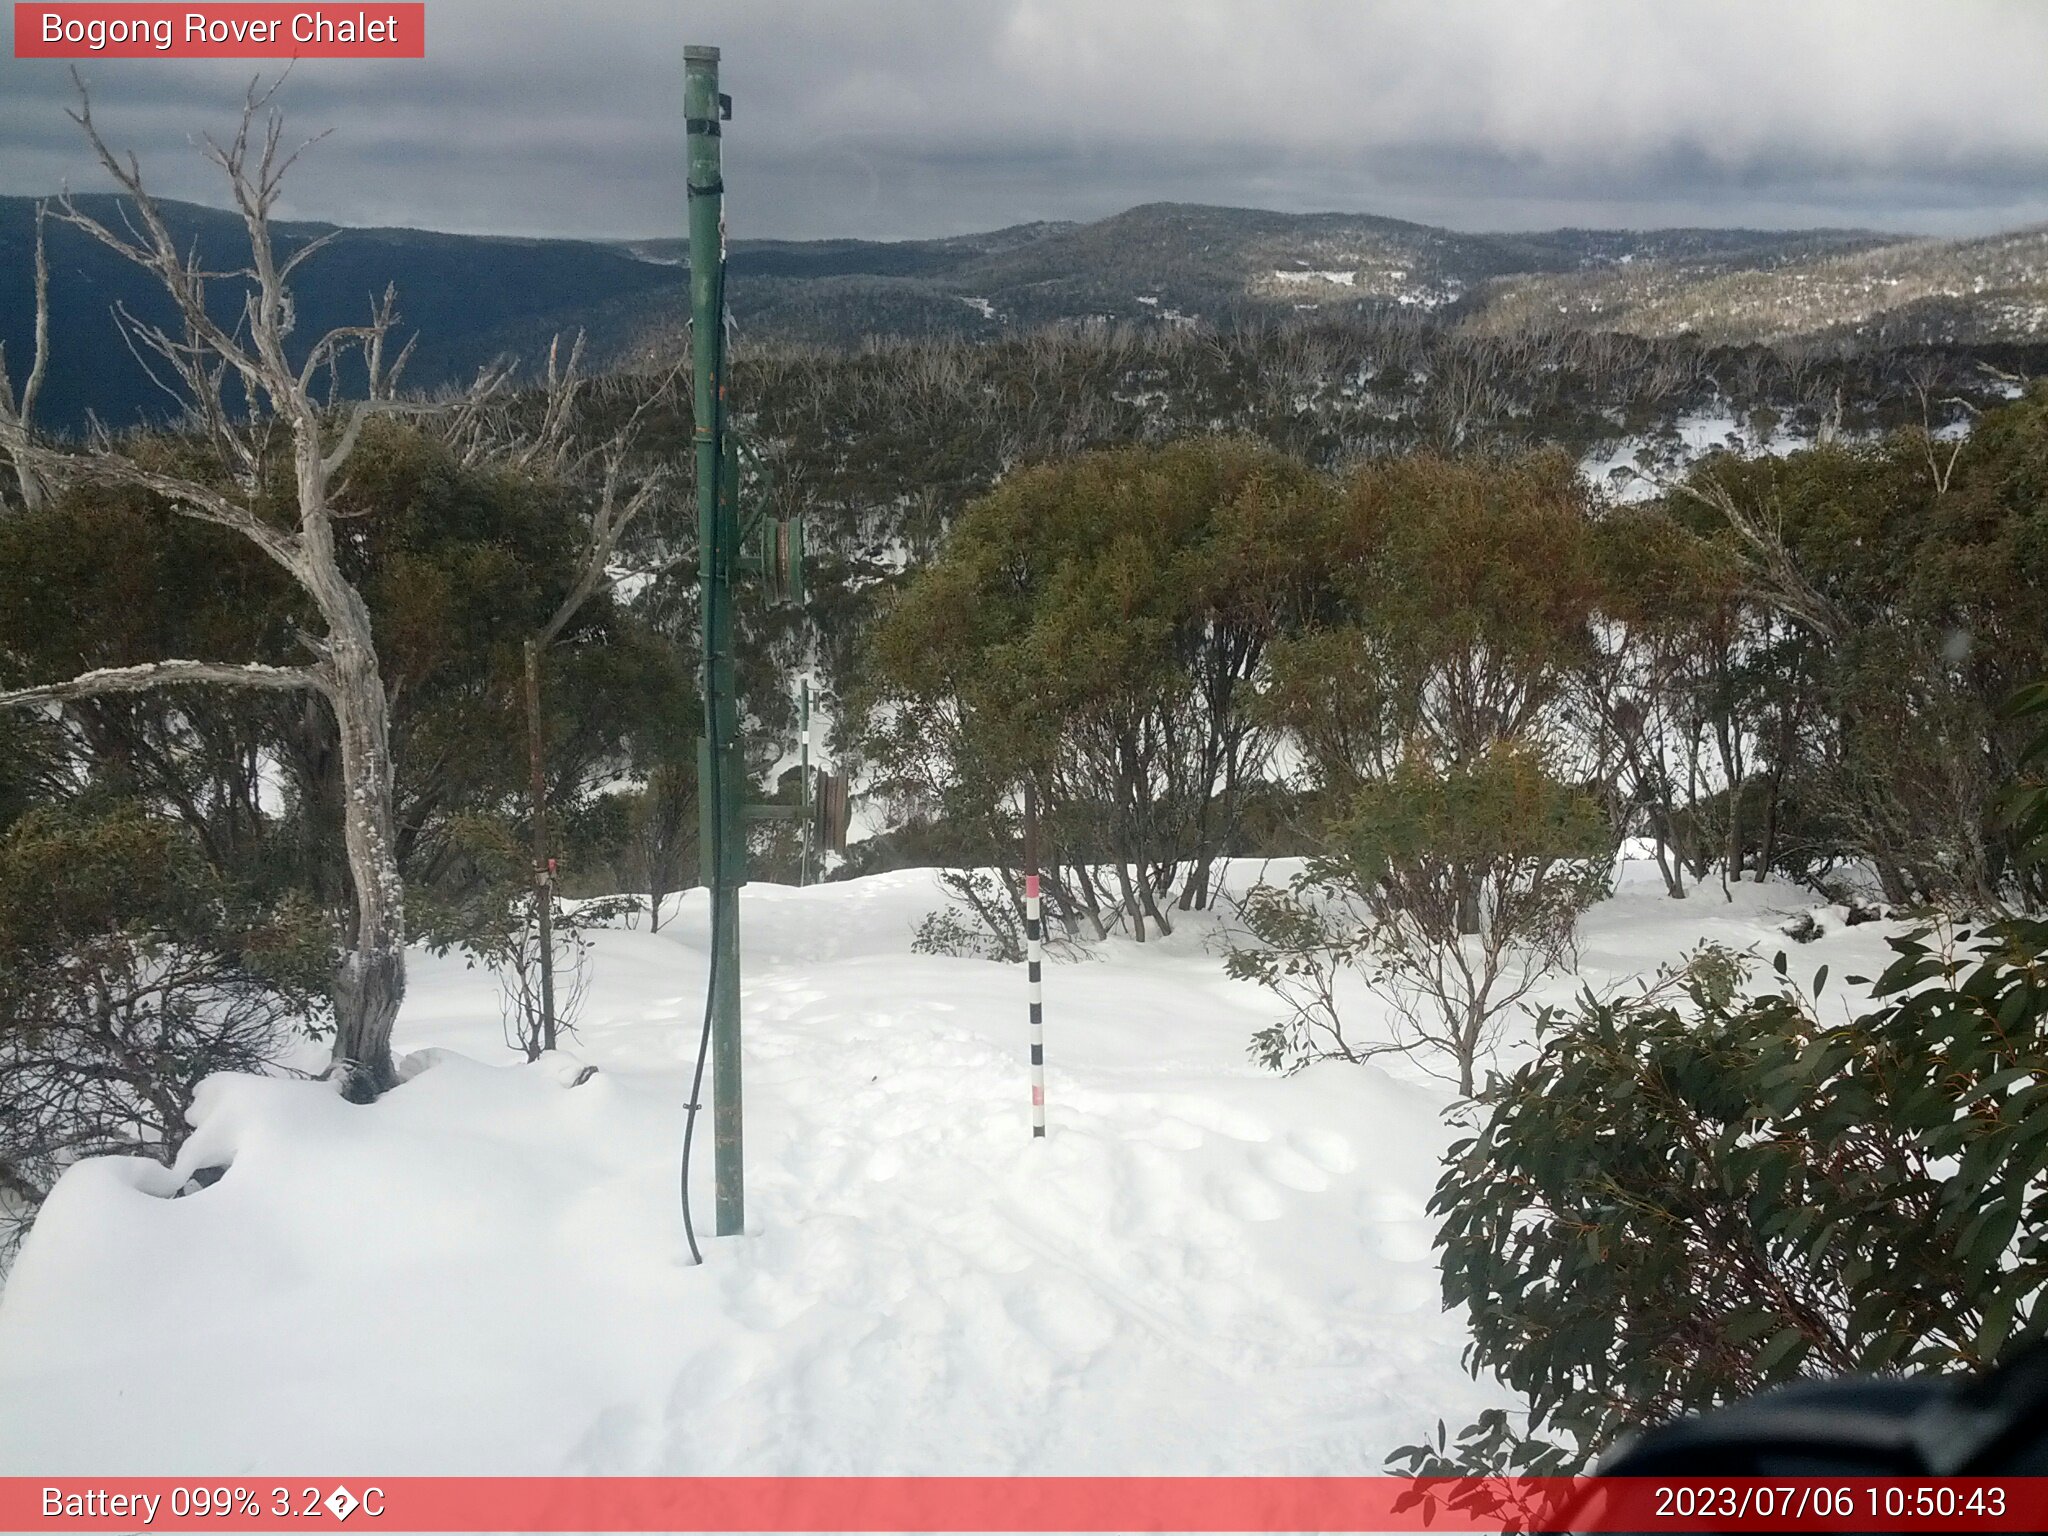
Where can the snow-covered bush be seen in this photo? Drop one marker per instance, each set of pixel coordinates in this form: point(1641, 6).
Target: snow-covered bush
point(129, 972)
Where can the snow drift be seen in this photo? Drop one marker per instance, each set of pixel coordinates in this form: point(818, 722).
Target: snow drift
point(1204, 1269)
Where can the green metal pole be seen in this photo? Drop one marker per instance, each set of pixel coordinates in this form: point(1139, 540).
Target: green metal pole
point(803, 847)
point(719, 780)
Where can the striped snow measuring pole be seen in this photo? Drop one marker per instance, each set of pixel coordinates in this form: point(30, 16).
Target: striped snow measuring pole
point(1034, 958)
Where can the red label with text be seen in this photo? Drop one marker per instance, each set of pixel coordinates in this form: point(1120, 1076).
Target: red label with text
point(104, 31)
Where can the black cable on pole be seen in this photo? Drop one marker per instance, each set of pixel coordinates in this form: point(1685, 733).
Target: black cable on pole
point(697, 1081)
point(712, 788)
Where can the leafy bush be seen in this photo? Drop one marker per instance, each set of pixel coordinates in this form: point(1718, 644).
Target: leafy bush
point(984, 921)
point(947, 931)
point(1693, 1194)
point(496, 925)
point(1451, 892)
point(1304, 938)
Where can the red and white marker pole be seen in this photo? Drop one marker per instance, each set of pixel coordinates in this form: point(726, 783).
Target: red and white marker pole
point(1034, 958)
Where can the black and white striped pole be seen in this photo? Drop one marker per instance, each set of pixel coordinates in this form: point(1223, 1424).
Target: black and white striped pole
point(1034, 958)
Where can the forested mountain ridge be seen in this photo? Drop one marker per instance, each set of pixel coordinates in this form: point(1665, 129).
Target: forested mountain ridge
point(472, 298)
point(1181, 262)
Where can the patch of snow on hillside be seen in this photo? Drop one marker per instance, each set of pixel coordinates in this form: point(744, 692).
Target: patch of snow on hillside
point(1633, 467)
point(1431, 297)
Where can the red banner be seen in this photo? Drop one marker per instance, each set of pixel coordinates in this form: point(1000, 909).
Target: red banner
point(1024, 1504)
point(116, 31)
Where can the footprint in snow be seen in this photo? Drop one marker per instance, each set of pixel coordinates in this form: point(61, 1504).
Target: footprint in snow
point(620, 1439)
point(1292, 1169)
point(1403, 1242)
point(1067, 1318)
point(1381, 1205)
point(1326, 1149)
point(1397, 1226)
point(1224, 1121)
point(769, 1303)
point(1397, 1291)
point(1247, 1199)
point(1167, 1131)
point(884, 1164)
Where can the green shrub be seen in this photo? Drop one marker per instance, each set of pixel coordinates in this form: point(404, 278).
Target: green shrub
point(1451, 891)
point(1692, 1194)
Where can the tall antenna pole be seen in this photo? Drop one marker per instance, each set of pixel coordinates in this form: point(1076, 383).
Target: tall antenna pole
point(720, 777)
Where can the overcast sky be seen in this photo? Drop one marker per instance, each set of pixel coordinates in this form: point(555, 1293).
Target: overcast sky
point(895, 118)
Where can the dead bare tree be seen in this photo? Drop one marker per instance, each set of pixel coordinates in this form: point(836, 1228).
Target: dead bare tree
point(623, 494)
point(278, 411)
point(17, 412)
point(1927, 377)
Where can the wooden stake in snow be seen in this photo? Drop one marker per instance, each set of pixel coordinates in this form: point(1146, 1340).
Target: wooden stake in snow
point(1034, 958)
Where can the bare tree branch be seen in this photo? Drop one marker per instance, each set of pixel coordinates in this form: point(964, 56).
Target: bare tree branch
point(154, 248)
point(157, 674)
point(607, 525)
point(1778, 580)
point(17, 415)
point(190, 498)
point(34, 384)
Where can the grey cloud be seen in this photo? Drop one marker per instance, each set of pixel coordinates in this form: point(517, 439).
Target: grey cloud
point(905, 117)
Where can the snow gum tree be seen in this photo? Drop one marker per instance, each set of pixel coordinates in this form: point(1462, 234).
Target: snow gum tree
point(1456, 810)
point(1459, 602)
point(1670, 683)
point(1101, 626)
point(260, 404)
point(1893, 602)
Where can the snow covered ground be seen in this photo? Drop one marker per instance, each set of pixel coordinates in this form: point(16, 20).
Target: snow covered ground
point(1205, 1268)
point(1651, 462)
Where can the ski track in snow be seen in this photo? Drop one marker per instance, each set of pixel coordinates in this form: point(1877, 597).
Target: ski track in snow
point(1205, 1268)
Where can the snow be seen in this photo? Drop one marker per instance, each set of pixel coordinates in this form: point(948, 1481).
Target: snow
point(1653, 460)
point(981, 306)
point(1205, 1268)
point(1345, 278)
point(627, 583)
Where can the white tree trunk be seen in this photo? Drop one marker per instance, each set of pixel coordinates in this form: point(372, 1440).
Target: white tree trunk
point(370, 983)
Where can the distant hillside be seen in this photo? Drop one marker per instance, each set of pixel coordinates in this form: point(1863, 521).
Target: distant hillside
point(1899, 292)
point(1175, 262)
point(472, 298)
